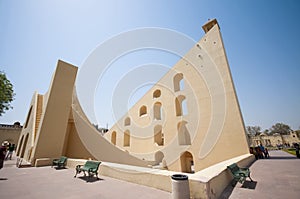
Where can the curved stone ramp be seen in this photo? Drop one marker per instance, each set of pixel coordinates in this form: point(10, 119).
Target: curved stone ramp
point(96, 144)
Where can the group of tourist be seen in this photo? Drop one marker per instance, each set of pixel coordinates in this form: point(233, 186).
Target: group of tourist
point(6, 152)
point(260, 152)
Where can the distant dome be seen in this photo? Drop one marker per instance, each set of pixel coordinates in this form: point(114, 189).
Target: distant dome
point(17, 124)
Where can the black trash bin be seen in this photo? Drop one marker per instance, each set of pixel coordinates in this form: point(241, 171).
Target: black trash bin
point(180, 186)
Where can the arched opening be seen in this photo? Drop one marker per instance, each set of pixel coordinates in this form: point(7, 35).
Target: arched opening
point(184, 137)
point(28, 116)
point(127, 121)
point(157, 111)
point(178, 82)
point(126, 138)
point(184, 107)
point(180, 105)
point(20, 145)
point(143, 111)
point(158, 135)
point(24, 145)
point(156, 93)
point(114, 137)
point(187, 162)
point(159, 156)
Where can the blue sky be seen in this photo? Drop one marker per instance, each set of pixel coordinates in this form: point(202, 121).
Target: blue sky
point(261, 40)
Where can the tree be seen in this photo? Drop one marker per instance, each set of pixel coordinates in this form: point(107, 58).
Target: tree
point(280, 128)
point(6, 93)
point(253, 130)
point(266, 131)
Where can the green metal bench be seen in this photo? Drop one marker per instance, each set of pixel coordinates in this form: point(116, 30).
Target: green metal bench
point(59, 162)
point(90, 166)
point(239, 174)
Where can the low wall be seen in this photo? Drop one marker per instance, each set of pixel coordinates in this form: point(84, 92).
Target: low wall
point(207, 183)
point(216, 177)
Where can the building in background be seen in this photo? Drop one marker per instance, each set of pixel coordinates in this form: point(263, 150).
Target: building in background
point(10, 133)
point(275, 140)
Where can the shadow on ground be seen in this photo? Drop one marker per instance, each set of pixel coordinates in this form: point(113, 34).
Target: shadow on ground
point(229, 189)
point(90, 178)
point(249, 184)
point(60, 168)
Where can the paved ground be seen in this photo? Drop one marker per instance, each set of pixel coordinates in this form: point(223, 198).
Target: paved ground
point(47, 182)
point(277, 177)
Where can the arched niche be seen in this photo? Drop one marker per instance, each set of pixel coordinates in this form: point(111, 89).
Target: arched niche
point(127, 121)
point(187, 162)
point(126, 138)
point(114, 137)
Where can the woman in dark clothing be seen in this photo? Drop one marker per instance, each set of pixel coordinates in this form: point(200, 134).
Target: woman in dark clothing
point(2, 155)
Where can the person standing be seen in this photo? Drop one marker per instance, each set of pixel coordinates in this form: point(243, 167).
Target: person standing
point(296, 145)
point(11, 149)
point(262, 149)
point(2, 155)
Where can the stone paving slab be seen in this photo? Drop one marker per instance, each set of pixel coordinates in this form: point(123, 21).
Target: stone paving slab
point(47, 182)
point(274, 178)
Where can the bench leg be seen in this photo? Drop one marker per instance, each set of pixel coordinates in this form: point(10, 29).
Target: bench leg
point(233, 183)
point(77, 171)
point(250, 178)
point(75, 174)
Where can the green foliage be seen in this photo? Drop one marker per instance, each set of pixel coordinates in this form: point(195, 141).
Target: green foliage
point(6, 93)
point(290, 151)
point(253, 130)
point(280, 128)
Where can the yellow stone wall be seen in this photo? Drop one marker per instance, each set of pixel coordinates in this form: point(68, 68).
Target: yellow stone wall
point(212, 129)
point(10, 133)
